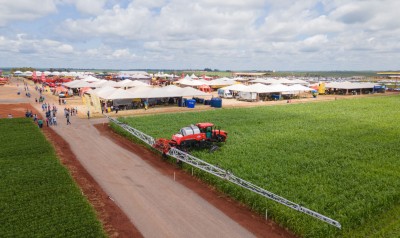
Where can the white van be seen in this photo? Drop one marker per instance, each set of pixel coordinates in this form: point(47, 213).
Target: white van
point(223, 93)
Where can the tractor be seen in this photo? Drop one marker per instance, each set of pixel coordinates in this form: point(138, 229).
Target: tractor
point(201, 135)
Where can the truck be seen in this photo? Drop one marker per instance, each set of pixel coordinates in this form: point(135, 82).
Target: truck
point(224, 93)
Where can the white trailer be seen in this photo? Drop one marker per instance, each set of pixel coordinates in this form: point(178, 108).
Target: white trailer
point(247, 96)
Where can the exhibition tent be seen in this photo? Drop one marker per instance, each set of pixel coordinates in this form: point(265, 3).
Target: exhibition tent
point(298, 87)
point(80, 84)
point(90, 78)
point(118, 94)
point(235, 87)
point(190, 92)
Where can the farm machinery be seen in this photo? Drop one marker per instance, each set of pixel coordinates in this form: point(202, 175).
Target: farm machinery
point(201, 135)
point(204, 135)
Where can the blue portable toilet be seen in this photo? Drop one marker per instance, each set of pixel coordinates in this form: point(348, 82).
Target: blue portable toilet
point(216, 102)
point(191, 103)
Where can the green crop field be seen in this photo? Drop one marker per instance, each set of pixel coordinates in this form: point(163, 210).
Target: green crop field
point(38, 198)
point(339, 158)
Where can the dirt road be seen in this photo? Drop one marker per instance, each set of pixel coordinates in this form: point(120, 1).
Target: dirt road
point(156, 204)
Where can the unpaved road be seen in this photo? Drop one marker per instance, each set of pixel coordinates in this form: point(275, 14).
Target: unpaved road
point(156, 204)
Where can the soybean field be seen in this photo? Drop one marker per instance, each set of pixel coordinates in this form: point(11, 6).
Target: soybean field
point(38, 197)
point(339, 158)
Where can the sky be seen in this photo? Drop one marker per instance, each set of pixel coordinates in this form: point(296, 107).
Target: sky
point(306, 35)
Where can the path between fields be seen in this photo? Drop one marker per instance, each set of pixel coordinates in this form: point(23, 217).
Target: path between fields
point(156, 204)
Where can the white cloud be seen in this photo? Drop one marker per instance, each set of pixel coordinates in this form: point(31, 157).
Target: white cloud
point(115, 22)
point(91, 7)
point(255, 34)
point(24, 10)
point(22, 44)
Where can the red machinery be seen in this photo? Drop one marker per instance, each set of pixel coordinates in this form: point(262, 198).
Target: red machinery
point(201, 135)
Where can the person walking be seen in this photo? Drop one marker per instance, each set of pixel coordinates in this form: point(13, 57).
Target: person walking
point(88, 114)
point(55, 121)
point(68, 122)
point(40, 123)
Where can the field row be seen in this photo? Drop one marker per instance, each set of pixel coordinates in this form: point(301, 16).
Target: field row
point(339, 158)
point(38, 196)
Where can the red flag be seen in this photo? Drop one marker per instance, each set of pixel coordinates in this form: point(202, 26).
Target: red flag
point(42, 77)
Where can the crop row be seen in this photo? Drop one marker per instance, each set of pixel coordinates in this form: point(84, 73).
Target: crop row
point(38, 197)
point(338, 158)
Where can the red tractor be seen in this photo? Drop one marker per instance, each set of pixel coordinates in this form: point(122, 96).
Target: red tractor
point(201, 135)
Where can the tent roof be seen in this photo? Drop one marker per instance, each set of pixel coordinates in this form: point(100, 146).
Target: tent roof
point(90, 78)
point(164, 92)
point(298, 87)
point(235, 87)
point(99, 84)
point(124, 83)
point(190, 92)
point(222, 82)
point(103, 92)
point(79, 84)
point(136, 83)
point(190, 82)
point(117, 94)
point(262, 88)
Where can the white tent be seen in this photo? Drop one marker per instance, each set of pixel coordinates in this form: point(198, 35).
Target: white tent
point(124, 83)
point(259, 80)
point(256, 88)
point(110, 84)
point(298, 87)
point(284, 81)
point(222, 82)
point(165, 92)
point(47, 73)
point(136, 83)
point(28, 73)
point(90, 78)
point(188, 82)
point(278, 88)
point(99, 84)
point(78, 84)
point(103, 92)
point(71, 84)
point(262, 88)
point(141, 91)
point(299, 81)
point(235, 87)
point(119, 94)
point(190, 92)
point(140, 76)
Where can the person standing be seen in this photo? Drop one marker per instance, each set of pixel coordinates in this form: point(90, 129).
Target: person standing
point(88, 114)
point(55, 121)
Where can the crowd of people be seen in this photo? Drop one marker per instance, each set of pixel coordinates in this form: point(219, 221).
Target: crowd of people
point(73, 111)
point(50, 110)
